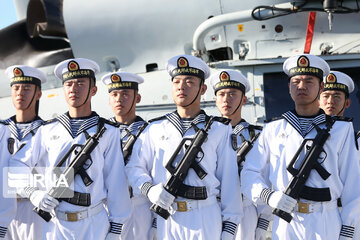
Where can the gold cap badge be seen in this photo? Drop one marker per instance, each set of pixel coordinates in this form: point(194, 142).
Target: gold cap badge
point(115, 78)
point(73, 66)
point(224, 76)
point(303, 61)
point(18, 72)
point(331, 78)
point(182, 62)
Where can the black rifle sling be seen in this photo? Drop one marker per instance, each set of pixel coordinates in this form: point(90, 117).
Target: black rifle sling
point(82, 172)
point(357, 135)
point(84, 199)
point(191, 192)
point(196, 165)
point(245, 146)
point(128, 145)
point(319, 194)
point(296, 187)
point(251, 132)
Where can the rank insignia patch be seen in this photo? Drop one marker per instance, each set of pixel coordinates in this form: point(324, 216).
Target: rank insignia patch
point(11, 143)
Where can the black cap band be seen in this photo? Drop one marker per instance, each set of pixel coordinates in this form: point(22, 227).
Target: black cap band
point(317, 72)
point(337, 87)
point(188, 71)
point(25, 80)
point(229, 84)
point(122, 85)
point(82, 73)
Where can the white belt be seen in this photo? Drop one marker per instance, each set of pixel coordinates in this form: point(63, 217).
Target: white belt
point(310, 207)
point(188, 205)
point(77, 216)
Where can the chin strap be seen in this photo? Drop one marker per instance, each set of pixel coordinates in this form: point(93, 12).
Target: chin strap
point(238, 105)
point(196, 95)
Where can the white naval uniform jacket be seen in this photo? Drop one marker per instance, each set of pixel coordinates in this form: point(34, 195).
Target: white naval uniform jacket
point(54, 139)
point(266, 164)
point(7, 205)
point(136, 227)
point(246, 230)
point(17, 141)
point(27, 224)
point(158, 142)
point(242, 129)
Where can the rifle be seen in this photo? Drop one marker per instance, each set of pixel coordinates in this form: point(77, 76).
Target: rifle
point(75, 167)
point(187, 161)
point(244, 149)
point(128, 145)
point(310, 162)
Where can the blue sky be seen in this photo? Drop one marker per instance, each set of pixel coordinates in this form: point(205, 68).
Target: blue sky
point(7, 13)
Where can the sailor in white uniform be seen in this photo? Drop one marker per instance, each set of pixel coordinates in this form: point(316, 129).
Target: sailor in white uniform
point(230, 87)
point(123, 97)
point(7, 202)
point(335, 97)
point(265, 176)
point(195, 212)
point(102, 178)
point(25, 85)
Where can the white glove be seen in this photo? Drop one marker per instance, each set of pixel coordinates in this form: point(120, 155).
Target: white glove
point(153, 230)
point(153, 234)
point(260, 234)
point(261, 228)
point(227, 236)
point(43, 200)
point(113, 236)
point(282, 201)
point(159, 196)
point(344, 238)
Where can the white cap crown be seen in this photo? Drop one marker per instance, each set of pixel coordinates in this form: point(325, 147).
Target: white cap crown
point(121, 80)
point(306, 64)
point(25, 74)
point(339, 81)
point(187, 65)
point(76, 68)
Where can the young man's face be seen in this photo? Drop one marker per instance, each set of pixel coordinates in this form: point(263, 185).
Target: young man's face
point(185, 88)
point(77, 90)
point(334, 102)
point(228, 100)
point(22, 94)
point(123, 101)
point(304, 89)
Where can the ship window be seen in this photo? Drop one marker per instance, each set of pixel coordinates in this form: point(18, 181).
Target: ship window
point(151, 67)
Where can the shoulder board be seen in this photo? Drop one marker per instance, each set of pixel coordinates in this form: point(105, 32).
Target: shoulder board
point(273, 119)
point(107, 121)
point(345, 119)
point(49, 121)
point(156, 119)
point(357, 135)
point(223, 120)
point(255, 127)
